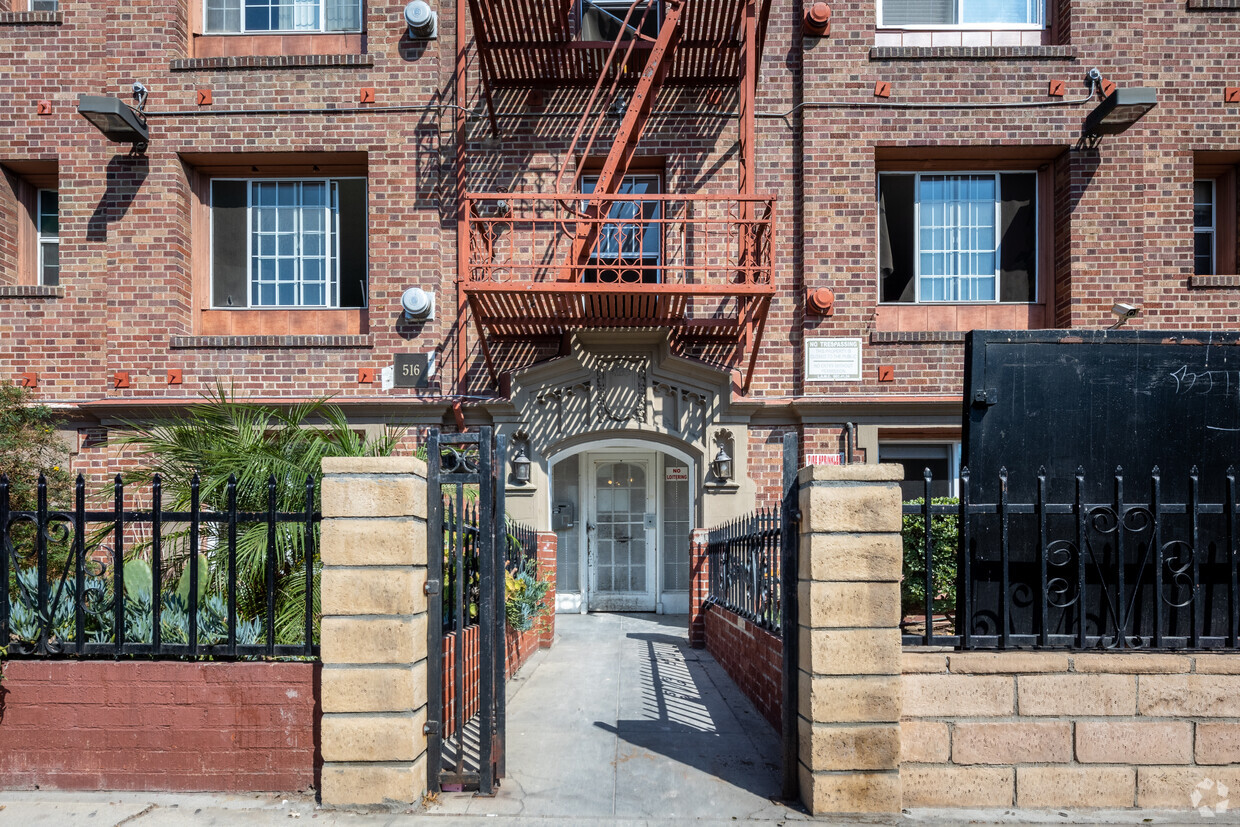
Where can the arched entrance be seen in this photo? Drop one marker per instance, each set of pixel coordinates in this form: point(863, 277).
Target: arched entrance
point(623, 508)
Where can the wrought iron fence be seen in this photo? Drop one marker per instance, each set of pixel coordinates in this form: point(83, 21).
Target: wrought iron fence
point(1070, 571)
point(461, 576)
point(520, 546)
point(744, 573)
point(79, 582)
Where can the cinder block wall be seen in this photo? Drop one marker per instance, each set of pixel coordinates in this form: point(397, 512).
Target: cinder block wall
point(1068, 729)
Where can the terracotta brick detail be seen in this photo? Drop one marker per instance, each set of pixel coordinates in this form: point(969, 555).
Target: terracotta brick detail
point(135, 725)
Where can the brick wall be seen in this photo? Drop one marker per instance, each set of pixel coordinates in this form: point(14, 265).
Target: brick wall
point(752, 656)
point(1068, 730)
point(519, 647)
point(87, 725)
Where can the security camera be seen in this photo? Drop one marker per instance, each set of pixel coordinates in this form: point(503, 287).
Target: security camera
point(1124, 312)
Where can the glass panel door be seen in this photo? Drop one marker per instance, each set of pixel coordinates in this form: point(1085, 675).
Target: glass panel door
point(621, 546)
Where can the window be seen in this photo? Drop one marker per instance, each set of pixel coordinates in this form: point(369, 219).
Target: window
point(288, 243)
point(958, 237)
point(43, 5)
point(249, 16)
point(986, 14)
point(602, 19)
point(1204, 224)
point(629, 250)
point(943, 460)
point(47, 229)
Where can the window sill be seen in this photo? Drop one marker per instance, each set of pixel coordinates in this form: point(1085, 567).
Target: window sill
point(270, 62)
point(284, 322)
point(31, 18)
point(894, 337)
point(1211, 5)
point(909, 322)
point(229, 342)
point(1215, 282)
point(973, 53)
point(30, 291)
point(276, 43)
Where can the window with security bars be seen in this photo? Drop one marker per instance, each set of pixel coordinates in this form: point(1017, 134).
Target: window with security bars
point(288, 243)
point(256, 16)
point(1204, 225)
point(962, 13)
point(958, 237)
point(48, 233)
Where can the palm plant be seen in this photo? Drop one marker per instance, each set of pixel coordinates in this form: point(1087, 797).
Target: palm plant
point(265, 450)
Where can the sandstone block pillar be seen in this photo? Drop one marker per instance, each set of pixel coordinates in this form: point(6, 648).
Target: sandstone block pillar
point(373, 642)
point(849, 694)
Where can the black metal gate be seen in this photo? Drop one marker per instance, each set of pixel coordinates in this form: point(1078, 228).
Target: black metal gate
point(465, 584)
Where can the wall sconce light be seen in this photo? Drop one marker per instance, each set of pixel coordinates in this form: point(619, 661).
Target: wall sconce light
point(423, 23)
point(722, 465)
point(521, 467)
point(117, 120)
point(1120, 110)
point(418, 304)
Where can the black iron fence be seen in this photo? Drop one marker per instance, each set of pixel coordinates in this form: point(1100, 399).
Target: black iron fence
point(520, 546)
point(87, 582)
point(461, 575)
point(1075, 570)
point(744, 567)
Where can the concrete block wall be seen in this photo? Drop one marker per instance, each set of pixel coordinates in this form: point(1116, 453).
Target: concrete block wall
point(374, 628)
point(1068, 729)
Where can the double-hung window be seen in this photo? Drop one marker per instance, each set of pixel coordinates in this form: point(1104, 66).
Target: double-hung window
point(958, 237)
point(258, 16)
point(288, 243)
point(1204, 227)
point(604, 19)
point(987, 14)
point(47, 229)
point(630, 245)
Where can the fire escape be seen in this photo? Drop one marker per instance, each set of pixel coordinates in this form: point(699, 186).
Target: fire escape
point(595, 252)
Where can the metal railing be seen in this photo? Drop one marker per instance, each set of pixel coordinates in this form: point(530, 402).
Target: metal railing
point(520, 546)
point(1129, 572)
point(744, 568)
point(461, 578)
point(79, 582)
point(684, 240)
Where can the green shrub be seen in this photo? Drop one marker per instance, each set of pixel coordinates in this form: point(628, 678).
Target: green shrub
point(525, 597)
point(945, 535)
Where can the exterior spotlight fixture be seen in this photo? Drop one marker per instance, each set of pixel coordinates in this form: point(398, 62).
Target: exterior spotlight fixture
point(499, 208)
point(423, 23)
point(115, 119)
point(722, 465)
point(521, 467)
point(1120, 110)
point(1124, 312)
point(418, 304)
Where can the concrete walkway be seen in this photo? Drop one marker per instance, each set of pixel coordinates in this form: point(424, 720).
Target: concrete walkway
point(620, 719)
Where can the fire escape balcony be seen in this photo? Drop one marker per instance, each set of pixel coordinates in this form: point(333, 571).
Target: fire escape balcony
point(696, 265)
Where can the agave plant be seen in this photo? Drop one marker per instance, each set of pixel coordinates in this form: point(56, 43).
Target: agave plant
point(261, 448)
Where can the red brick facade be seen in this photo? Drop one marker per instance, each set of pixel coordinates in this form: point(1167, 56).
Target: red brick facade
point(1117, 218)
point(94, 725)
point(752, 656)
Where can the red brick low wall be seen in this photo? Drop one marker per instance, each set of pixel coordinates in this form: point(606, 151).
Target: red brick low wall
point(519, 647)
point(143, 725)
point(752, 656)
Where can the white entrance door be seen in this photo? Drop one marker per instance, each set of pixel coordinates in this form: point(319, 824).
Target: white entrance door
point(621, 533)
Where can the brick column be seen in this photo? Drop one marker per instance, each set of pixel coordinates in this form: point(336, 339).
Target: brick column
point(699, 587)
point(547, 546)
point(374, 631)
point(849, 645)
